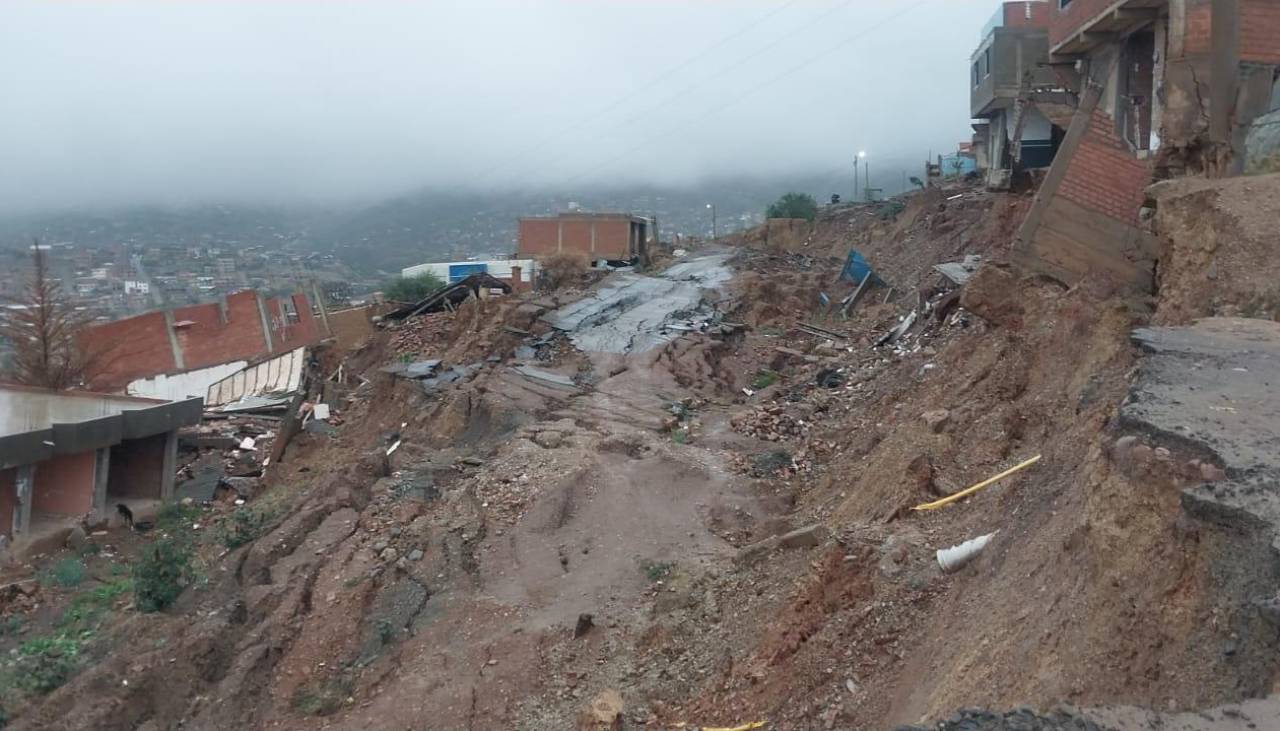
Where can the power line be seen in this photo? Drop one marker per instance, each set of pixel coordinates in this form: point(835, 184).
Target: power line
point(778, 77)
point(667, 101)
point(620, 100)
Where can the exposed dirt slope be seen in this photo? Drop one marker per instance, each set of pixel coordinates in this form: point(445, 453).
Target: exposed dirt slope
point(719, 530)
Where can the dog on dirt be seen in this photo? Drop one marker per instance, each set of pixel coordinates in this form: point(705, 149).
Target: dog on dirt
point(126, 514)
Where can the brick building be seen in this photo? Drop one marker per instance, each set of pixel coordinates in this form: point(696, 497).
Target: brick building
point(1020, 104)
point(244, 326)
point(596, 236)
point(1165, 88)
point(67, 456)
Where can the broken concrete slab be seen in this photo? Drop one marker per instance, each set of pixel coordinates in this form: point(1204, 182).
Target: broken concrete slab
point(634, 313)
point(416, 369)
point(206, 473)
point(1209, 388)
point(546, 377)
point(959, 272)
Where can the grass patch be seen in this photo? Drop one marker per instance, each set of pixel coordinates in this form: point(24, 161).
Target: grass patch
point(657, 570)
point(764, 379)
point(89, 607)
point(321, 698)
point(45, 663)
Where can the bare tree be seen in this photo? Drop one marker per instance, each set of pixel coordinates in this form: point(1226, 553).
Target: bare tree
point(43, 327)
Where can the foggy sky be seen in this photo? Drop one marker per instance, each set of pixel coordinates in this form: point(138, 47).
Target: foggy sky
point(292, 101)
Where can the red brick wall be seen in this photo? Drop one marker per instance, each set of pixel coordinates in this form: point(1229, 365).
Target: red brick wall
point(1103, 175)
point(129, 349)
point(1199, 25)
point(140, 345)
point(1064, 22)
point(8, 501)
point(576, 236)
point(613, 238)
point(537, 236)
point(1015, 14)
point(198, 342)
point(64, 485)
point(1260, 31)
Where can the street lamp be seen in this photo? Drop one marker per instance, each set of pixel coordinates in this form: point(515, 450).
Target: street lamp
point(861, 154)
point(712, 206)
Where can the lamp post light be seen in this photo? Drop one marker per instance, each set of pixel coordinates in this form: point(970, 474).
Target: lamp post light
point(866, 173)
point(860, 157)
point(714, 233)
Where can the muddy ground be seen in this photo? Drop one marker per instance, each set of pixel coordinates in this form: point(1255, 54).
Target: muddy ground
point(713, 524)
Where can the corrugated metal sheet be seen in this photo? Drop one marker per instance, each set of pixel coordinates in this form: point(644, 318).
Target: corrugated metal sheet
point(278, 376)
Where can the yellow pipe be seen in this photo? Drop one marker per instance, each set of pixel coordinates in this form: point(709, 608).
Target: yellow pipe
point(970, 490)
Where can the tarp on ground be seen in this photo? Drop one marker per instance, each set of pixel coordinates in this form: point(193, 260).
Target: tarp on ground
point(856, 268)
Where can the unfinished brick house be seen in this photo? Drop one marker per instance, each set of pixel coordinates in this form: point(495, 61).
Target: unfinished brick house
point(1020, 109)
point(67, 456)
point(1165, 88)
point(207, 341)
point(596, 236)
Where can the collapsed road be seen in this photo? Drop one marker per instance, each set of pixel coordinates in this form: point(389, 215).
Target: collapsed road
point(633, 312)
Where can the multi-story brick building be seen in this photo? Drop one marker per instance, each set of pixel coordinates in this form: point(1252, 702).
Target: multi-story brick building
point(1015, 94)
point(1165, 88)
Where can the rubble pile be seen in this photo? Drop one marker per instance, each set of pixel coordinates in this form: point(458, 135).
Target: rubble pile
point(425, 334)
point(225, 454)
point(771, 423)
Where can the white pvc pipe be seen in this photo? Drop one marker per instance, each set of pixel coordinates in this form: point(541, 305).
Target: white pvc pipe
point(951, 559)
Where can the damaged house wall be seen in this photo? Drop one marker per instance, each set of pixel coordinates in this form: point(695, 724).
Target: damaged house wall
point(1168, 92)
point(245, 326)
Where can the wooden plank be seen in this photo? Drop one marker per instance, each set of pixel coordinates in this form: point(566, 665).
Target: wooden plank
point(857, 295)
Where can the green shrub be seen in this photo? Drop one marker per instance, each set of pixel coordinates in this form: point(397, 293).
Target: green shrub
point(411, 289)
point(794, 205)
point(45, 663)
point(66, 573)
point(162, 572)
point(890, 210)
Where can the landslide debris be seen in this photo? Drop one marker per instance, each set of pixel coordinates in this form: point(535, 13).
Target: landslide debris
point(732, 508)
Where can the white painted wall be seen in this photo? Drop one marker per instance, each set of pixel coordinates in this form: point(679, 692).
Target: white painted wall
point(23, 411)
point(180, 386)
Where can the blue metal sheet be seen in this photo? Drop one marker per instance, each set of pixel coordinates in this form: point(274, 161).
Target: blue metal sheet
point(458, 272)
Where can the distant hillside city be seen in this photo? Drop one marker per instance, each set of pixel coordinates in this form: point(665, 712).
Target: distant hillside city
point(126, 261)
